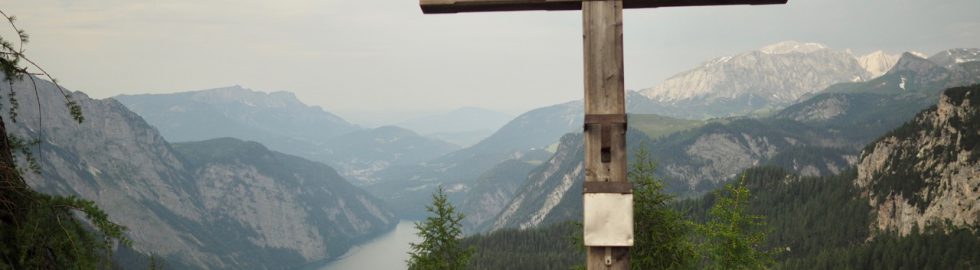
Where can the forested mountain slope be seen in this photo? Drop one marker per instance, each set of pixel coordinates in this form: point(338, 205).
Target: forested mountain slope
point(927, 171)
point(911, 203)
point(820, 136)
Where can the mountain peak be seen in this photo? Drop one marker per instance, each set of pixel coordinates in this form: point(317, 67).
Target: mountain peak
point(912, 62)
point(878, 62)
point(954, 57)
point(792, 46)
point(239, 94)
point(755, 81)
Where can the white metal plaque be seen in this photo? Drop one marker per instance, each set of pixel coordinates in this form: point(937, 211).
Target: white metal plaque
point(608, 219)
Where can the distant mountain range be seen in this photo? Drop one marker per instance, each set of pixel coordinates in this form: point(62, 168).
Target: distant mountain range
point(364, 152)
point(464, 126)
point(756, 81)
point(762, 81)
point(283, 123)
point(217, 204)
point(801, 106)
point(696, 160)
point(253, 184)
point(822, 135)
point(524, 138)
point(912, 201)
point(236, 112)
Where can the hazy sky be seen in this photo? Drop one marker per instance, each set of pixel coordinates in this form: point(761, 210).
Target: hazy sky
point(384, 58)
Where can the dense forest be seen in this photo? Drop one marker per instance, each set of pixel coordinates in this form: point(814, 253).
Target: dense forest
point(547, 248)
point(814, 223)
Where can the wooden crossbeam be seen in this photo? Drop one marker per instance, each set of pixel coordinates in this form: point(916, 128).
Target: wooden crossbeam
point(457, 6)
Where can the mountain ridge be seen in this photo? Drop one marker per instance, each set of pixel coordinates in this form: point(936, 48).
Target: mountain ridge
point(822, 135)
point(283, 123)
point(187, 213)
point(755, 81)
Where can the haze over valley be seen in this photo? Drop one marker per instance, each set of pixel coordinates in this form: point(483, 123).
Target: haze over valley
point(298, 184)
point(298, 151)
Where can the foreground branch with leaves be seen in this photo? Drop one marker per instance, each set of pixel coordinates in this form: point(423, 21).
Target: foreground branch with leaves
point(40, 231)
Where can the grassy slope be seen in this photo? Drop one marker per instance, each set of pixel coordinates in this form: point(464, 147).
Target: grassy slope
point(656, 126)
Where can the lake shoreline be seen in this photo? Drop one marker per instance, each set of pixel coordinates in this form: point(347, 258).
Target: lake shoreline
point(388, 250)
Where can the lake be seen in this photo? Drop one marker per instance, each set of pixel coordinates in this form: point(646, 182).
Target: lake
point(386, 252)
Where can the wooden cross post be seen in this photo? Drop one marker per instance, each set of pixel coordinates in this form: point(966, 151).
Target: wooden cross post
point(608, 213)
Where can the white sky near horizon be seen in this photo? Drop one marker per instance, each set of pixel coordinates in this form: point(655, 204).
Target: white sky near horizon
point(381, 60)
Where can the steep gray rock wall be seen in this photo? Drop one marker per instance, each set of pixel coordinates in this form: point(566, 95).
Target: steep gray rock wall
point(927, 170)
point(558, 179)
point(195, 213)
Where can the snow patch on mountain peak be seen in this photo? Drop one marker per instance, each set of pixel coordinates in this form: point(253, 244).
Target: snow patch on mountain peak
point(919, 54)
point(952, 58)
point(719, 60)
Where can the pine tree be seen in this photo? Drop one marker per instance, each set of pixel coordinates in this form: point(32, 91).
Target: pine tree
point(733, 237)
point(440, 248)
point(662, 237)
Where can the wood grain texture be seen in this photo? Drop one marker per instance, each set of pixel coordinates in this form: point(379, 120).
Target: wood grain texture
point(456, 6)
point(596, 258)
point(604, 87)
point(602, 28)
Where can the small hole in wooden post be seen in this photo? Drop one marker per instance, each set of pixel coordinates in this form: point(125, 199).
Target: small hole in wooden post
point(606, 143)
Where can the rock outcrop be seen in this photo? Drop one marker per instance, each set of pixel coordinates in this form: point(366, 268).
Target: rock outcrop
point(878, 62)
point(929, 169)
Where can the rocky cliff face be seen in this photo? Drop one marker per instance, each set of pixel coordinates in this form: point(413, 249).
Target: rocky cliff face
point(706, 156)
point(280, 201)
point(556, 182)
point(929, 169)
point(755, 81)
point(409, 188)
point(552, 192)
point(878, 62)
point(238, 211)
point(493, 191)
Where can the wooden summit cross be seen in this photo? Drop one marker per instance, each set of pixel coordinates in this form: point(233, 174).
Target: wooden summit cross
point(608, 201)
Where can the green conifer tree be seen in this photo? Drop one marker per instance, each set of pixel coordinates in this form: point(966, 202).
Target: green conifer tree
point(733, 237)
point(662, 237)
point(440, 232)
